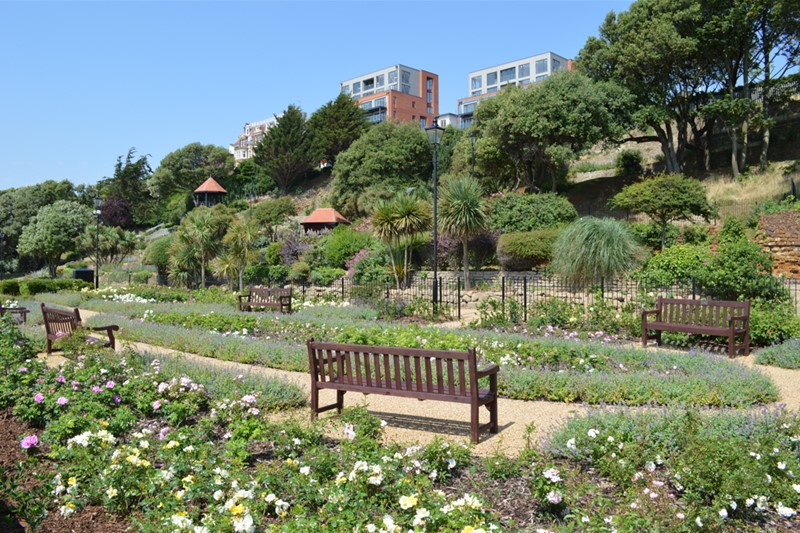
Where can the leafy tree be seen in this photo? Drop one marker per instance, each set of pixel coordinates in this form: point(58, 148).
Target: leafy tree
point(157, 253)
point(285, 150)
point(538, 131)
point(129, 183)
point(240, 245)
point(384, 222)
point(654, 51)
point(116, 212)
point(412, 217)
point(593, 248)
point(248, 179)
point(54, 231)
point(463, 214)
point(19, 206)
point(665, 198)
point(335, 126)
point(113, 244)
point(271, 213)
point(185, 169)
point(389, 157)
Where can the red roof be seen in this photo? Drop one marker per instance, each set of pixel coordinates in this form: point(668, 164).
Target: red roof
point(325, 215)
point(211, 185)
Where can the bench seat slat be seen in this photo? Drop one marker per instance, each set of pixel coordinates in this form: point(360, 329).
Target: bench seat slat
point(385, 390)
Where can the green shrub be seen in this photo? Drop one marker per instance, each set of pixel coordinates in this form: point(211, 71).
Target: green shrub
point(740, 270)
point(326, 275)
point(299, 272)
point(10, 287)
point(273, 212)
point(784, 355)
point(629, 162)
point(515, 212)
point(695, 234)
point(341, 244)
point(650, 234)
point(772, 322)
point(673, 264)
point(526, 250)
point(33, 286)
point(142, 277)
point(272, 254)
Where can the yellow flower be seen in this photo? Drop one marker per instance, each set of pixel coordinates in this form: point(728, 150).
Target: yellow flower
point(179, 494)
point(72, 481)
point(407, 502)
point(171, 444)
point(188, 479)
point(467, 529)
point(289, 461)
point(104, 423)
point(237, 509)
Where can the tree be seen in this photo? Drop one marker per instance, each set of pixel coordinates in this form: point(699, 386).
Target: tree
point(389, 157)
point(412, 216)
point(665, 198)
point(202, 231)
point(270, 213)
point(116, 212)
point(593, 248)
point(541, 129)
point(113, 243)
point(463, 214)
point(185, 169)
point(129, 183)
point(54, 231)
point(335, 126)
point(285, 151)
point(653, 50)
point(384, 221)
point(239, 242)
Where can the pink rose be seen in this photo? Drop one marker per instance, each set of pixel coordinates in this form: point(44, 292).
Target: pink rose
point(39, 398)
point(110, 385)
point(30, 441)
point(62, 401)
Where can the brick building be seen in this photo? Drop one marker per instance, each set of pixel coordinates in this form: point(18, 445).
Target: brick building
point(398, 93)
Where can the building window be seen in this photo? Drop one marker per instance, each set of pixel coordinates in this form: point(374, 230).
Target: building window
point(430, 110)
point(475, 93)
point(393, 87)
point(405, 76)
point(394, 100)
point(380, 102)
point(491, 89)
point(468, 108)
point(346, 89)
point(491, 78)
point(526, 81)
point(541, 78)
point(507, 74)
point(430, 84)
point(356, 87)
point(369, 84)
point(476, 82)
point(430, 98)
point(379, 80)
point(556, 65)
point(524, 70)
point(405, 88)
point(413, 104)
point(541, 66)
point(466, 123)
point(393, 76)
point(394, 114)
point(423, 122)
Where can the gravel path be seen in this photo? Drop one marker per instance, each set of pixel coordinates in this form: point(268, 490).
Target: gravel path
point(412, 421)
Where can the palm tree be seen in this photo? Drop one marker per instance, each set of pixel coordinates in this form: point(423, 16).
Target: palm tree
point(412, 216)
point(384, 220)
point(462, 213)
point(182, 263)
point(204, 228)
point(239, 240)
point(228, 266)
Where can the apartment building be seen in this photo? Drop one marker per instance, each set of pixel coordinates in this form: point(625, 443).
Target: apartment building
point(486, 82)
point(399, 93)
point(252, 133)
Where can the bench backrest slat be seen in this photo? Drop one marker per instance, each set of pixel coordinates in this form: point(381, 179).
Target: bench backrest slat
point(708, 313)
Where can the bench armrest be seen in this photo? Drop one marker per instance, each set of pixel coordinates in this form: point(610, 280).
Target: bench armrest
point(743, 319)
point(105, 328)
point(488, 371)
point(244, 296)
point(651, 312)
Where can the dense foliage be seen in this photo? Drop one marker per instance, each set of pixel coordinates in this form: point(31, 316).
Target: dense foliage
point(526, 250)
point(516, 212)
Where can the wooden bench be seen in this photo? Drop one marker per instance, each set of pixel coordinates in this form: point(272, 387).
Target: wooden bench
point(267, 297)
point(707, 317)
point(62, 323)
point(18, 314)
point(443, 375)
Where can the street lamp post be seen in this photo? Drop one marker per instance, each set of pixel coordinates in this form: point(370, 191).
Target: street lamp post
point(472, 142)
point(434, 132)
point(98, 203)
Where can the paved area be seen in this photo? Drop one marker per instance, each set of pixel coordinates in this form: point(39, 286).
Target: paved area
point(412, 421)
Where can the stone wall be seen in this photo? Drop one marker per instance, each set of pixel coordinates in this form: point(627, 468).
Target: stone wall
point(780, 236)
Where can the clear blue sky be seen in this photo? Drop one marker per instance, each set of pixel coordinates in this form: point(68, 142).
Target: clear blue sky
point(82, 82)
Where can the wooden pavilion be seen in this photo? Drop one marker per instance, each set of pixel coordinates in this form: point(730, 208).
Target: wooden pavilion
point(210, 193)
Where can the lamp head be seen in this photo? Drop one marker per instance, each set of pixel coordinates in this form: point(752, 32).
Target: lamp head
point(98, 202)
point(434, 133)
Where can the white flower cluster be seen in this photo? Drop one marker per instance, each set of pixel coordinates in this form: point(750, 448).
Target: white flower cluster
point(103, 437)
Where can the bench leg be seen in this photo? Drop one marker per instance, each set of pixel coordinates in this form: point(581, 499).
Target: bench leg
point(314, 401)
point(474, 423)
point(658, 338)
point(644, 335)
point(493, 428)
point(732, 345)
point(746, 341)
point(339, 400)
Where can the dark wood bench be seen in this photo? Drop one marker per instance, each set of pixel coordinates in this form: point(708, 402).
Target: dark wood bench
point(706, 317)
point(443, 375)
point(62, 323)
point(267, 298)
point(18, 314)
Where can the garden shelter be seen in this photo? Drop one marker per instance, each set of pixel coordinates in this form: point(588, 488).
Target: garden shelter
point(209, 193)
point(323, 218)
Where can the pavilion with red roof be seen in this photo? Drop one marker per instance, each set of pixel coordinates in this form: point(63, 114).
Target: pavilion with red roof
point(209, 193)
point(323, 218)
